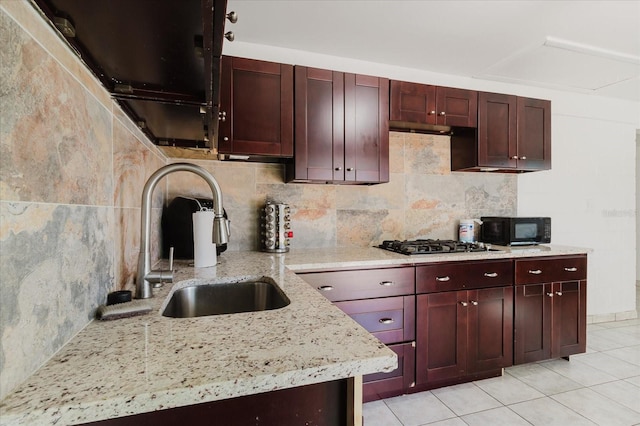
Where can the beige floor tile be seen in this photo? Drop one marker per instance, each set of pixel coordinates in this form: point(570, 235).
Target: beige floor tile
point(609, 364)
point(542, 379)
point(578, 372)
point(602, 411)
point(547, 412)
point(466, 398)
point(419, 409)
point(508, 390)
point(377, 413)
point(502, 416)
point(622, 392)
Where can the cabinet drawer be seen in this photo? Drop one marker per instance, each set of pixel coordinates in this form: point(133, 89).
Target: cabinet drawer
point(384, 385)
point(464, 275)
point(569, 268)
point(390, 319)
point(362, 284)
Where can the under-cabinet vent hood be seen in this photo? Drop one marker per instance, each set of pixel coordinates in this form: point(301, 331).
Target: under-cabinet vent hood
point(160, 59)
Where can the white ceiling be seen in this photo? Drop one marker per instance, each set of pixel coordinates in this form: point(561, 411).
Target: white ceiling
point(585, 46)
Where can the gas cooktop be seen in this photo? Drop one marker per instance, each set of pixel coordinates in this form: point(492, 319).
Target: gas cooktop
point(429, 246)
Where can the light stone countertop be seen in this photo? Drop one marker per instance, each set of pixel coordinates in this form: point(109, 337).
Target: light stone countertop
point(150, 362)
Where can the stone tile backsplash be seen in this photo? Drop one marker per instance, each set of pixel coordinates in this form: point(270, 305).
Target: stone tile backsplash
point(423, 199)
point(72, 168)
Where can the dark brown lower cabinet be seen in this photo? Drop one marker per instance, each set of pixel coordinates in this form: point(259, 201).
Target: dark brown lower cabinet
point(550, 320)
point(390, 319)
point(399, 381)
point(320, 404)
point(463, 333)
point(550, 308)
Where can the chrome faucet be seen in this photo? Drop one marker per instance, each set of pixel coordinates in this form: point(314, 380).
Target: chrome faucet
point(146, 276)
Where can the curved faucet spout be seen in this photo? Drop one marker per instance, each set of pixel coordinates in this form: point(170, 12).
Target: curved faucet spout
point(146, 276)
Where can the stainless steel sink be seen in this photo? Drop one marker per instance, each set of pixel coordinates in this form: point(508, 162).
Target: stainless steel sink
point(225, 298)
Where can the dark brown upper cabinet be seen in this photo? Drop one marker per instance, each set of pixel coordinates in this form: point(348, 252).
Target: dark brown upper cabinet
point(256, 108)
point(513, 135)
point(341, 128)
point(420, 106)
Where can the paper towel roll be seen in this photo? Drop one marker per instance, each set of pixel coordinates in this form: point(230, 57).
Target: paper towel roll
point(204, 250)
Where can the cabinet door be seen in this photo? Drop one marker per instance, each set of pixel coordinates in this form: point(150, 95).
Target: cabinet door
point(366, 129)
point(497, 130)
point(534, 134)
point(412, 103)
point(257, 100)
point(319, 124)
point(441, 325)
point(456, 107)
point(385, 385)
point(532, 334)
point(569, 330)
point(490, 333)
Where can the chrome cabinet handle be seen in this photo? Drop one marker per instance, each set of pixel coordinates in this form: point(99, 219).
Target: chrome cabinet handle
point(387, 283)
point(443, 113)
point(515, 157)
point(474, 303)
point(385, 320)
point(559, 293)
point(491, 274)
point(571, 269)
point(535, 271)
point(222, 116)
point(550, 294)
point(523, 157)
point(443, 279)
point(338, 169)
point(432, 113)
point(464, 303)
point(229, 35)
point(350, 169)
point(325, 288)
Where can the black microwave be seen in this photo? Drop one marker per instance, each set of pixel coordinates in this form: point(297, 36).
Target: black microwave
point(511, 231)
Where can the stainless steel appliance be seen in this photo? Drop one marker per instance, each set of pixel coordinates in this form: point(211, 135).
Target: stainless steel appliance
point(411, 247)
point(275, 227)
point(511, 231)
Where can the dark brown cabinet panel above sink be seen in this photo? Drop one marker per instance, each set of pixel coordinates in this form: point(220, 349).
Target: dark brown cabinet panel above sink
point(159, 60)
point(256, 108)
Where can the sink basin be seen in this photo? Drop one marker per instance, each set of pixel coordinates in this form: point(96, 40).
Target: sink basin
point(225, 298)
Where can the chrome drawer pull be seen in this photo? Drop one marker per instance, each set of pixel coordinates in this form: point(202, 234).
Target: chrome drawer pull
point(387, 283)
point(571, 269)
point(386, 321)
point(442, 279)
point(464, 303)
point(550, 294)
point(325, 288)
point(559, 293)
point(491, 274)
point(535, 271)
point(474, 303)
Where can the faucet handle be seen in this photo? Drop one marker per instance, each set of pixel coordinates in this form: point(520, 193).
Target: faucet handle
point(165, 276)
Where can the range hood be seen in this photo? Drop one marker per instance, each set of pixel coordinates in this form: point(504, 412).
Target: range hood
point(160, 59)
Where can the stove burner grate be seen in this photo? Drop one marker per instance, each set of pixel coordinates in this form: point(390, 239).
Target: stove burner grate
point(430, 246)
